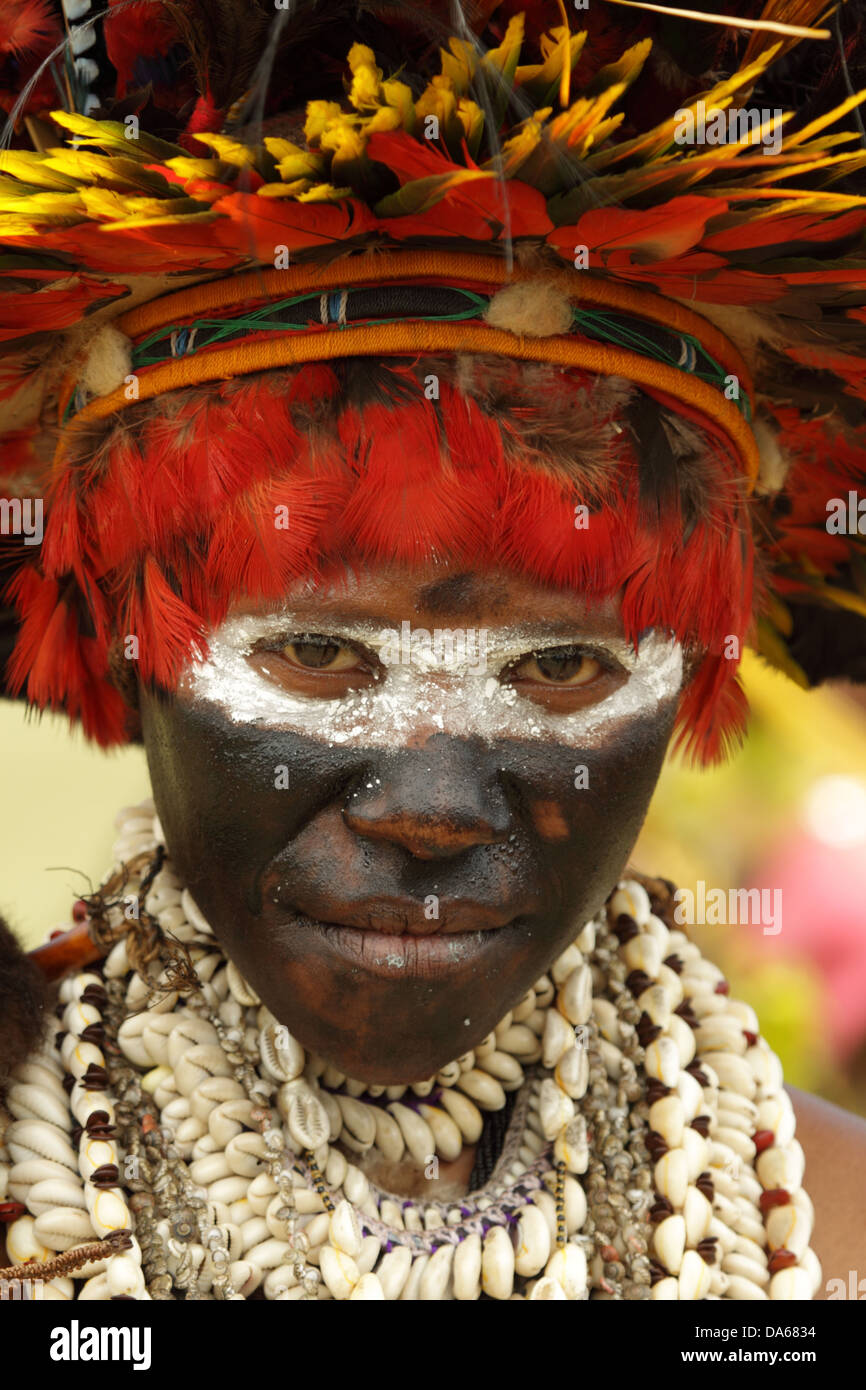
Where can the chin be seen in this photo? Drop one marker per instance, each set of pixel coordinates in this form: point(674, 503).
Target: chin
point(392, 1010)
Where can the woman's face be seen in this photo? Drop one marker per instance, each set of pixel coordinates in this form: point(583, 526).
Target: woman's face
point(398, 797)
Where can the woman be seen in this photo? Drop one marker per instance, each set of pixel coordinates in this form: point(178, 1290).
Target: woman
point(406, 558)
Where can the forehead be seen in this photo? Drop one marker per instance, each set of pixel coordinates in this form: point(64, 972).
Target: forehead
point(386, 594)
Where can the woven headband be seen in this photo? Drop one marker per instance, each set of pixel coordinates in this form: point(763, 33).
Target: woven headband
point(412, 302)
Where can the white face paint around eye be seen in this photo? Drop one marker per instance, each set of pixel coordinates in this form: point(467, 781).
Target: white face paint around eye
point(454, 690)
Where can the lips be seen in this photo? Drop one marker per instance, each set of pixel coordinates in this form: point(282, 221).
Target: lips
point(407, 917)
point(428, 956)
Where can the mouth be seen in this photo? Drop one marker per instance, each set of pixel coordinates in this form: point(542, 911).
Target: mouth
point(434, 956)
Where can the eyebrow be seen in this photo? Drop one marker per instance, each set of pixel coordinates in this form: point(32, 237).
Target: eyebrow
point(543, 631)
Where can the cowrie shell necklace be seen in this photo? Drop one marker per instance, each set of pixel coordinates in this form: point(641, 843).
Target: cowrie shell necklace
point(650, 1153)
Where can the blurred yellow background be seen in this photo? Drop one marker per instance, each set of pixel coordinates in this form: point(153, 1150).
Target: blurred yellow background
point(762, 818)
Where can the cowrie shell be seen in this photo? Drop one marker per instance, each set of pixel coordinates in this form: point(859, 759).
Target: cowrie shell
point(669, 1240)
point(607, 1019)
point(520, 1040)
point(667, 1117)
point(662, 1061)
point(260, 1192)
point(571, 1148)
point(736, 1140)
point(123, 1278)
point(437, 1275)
point(533, 1242)
point(339, 1272)
point(188, 1032)
point(735, 1263)
point(568, 1268)
point(22, 1244)
point(268, 1254)
point(744, 1289)
point(504, 1067)
point(228, 1191)
point(696, 1150)
point(466, 1269)
point(448, 1075)
point(574, 1000)
point(585, 941)
point(198, 1063)
point(393, 1271)
point(416, 1132)
point(308, 1120)
point(485, 1090)
point(93, 1154)
point(497, 1264)
point(38, 1139)
point(691, 1094)
point(572, 1072)
point(28, 1102)
point(777, 1167)
point(55, 1192)
point(368, 1288)
point(643, 953)
point(78, 1056)
point(720, 1031)
point(734, 1073)
point(389, 1142)
point(211, 1092)
point(790, 1284)
point(282, 1055)
point(108, 1211)
point(228, 1119)
point(33, 1073)
point(358, 1119)
point(788, 1229)
point(465, 1114)
point(698, 1215)
point(62, 1227)
point(449, 1140)
point(563, 966)
point(671, 1176)
point(656, 1004)
point(555, 1109)
point(665, 1291)
point(240, 988)
point(246, 1153)
point(777, 1115)
point(631, 898)
point(695, 1277)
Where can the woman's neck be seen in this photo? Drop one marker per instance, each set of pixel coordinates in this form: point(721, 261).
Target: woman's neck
point(408, 1179)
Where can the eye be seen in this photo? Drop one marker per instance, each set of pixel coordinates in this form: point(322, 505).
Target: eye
point(315, 663)
point(565, 678)
point(562, 666)
point(320, 653)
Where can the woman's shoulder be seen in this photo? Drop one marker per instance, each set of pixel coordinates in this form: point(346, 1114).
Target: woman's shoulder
point(834, 1142)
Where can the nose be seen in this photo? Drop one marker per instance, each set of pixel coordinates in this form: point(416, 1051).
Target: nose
point(435, 803)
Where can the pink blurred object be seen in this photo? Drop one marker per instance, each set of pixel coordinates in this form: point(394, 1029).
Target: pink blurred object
point(824, 924)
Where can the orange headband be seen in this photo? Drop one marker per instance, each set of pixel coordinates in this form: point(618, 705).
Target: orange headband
point(411, 337)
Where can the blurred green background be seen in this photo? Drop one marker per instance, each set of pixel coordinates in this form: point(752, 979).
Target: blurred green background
point(787, 812)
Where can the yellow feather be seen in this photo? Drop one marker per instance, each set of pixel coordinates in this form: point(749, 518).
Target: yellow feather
point(229, 151)
point(30, 167)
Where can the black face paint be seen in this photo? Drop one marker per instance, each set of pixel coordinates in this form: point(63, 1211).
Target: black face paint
point(349, 884)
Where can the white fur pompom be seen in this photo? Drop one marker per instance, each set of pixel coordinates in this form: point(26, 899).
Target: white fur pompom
point(108, 362)
point(536, 308)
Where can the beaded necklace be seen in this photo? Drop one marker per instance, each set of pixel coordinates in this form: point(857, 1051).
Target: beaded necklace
point(650, 1151)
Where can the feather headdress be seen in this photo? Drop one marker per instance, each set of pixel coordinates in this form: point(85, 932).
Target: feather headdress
point(325, 199)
